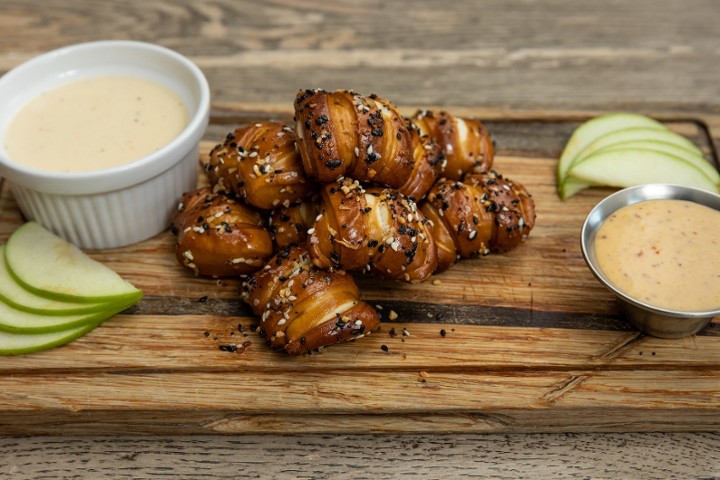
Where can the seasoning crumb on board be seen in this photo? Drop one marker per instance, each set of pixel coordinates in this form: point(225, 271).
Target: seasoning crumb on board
point(234, 348)
point(392, 315)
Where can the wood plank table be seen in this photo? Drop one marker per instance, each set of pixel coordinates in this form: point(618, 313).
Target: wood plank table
point(534, 353)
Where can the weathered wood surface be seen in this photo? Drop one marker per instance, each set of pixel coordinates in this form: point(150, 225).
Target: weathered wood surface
point(504, 59)
point(518, 54)
point(362, 457)
point(532, 343)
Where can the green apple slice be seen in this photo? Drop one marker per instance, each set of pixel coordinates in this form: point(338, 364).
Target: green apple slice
point(17, 321)
point(689, 156)
point(571, 186)
point(22, 343)
point(629, 167)
point(589, 131)
point(17, 297)
point(637, 133)
point(49, 266)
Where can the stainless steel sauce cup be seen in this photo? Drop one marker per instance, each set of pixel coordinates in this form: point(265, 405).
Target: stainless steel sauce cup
point(656, 321)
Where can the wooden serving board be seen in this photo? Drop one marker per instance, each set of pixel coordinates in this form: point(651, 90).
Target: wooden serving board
point(523, 342)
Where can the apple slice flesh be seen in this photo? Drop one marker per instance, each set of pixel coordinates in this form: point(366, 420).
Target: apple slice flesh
point(49, 266)
point(595, 128)
point(689, 156)
point(629, 167)
point(18, 298)
point(22, 343)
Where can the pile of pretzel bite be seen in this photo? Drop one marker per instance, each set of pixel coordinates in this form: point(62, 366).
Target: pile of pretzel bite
point(351, 187)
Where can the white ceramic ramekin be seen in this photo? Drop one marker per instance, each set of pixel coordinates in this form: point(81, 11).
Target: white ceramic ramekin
point(116, 206)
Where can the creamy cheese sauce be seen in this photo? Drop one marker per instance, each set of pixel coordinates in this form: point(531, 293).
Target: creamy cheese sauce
point(95, 123)
point(663, 252)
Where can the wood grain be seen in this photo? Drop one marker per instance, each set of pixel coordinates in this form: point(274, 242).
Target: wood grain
point(518, 342)
point(513, 54)
point(503, 457)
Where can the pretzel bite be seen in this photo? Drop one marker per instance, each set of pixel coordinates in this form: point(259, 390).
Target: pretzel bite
point(218, 236)
point(260, 164)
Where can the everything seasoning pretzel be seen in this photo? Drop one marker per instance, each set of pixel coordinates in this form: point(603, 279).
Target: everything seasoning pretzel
point(302, 308)
point(375, 229)
point(465, 142)
point(260, 164)
point(485, 213)
point(218, 236)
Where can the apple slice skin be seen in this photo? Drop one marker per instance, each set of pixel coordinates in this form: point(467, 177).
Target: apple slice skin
point(23, 300)
point(24, 343)
point(629, 167)
point(16, 321)
point(571, 186)
point(595, 128)
point(51, 267)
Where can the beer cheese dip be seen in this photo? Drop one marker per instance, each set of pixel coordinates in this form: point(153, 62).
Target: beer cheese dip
point(665, 253)
point(95, 123)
